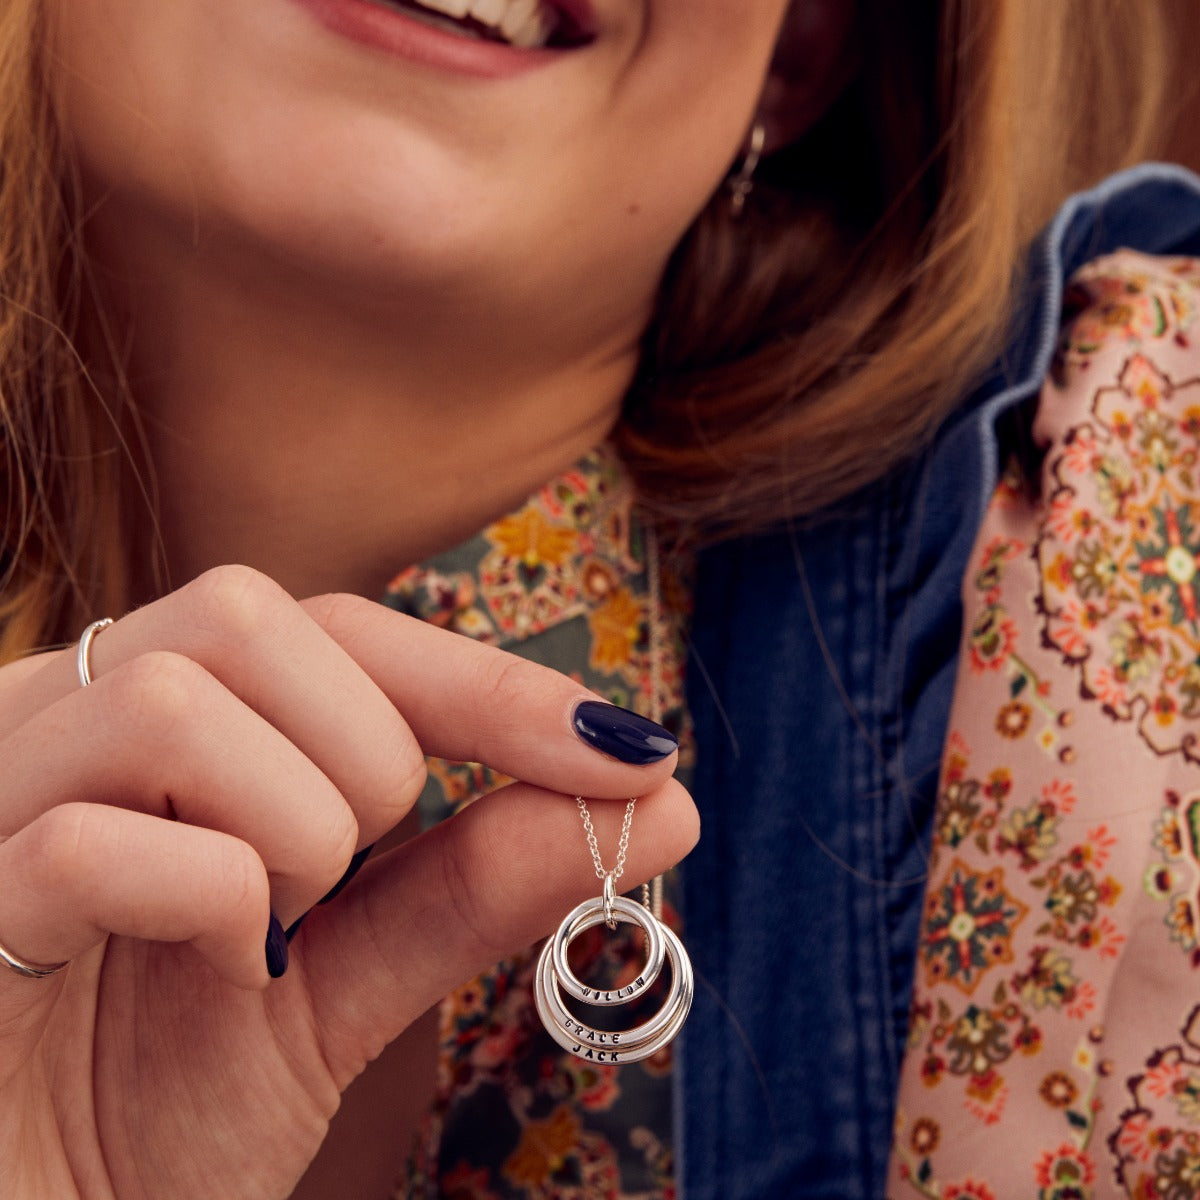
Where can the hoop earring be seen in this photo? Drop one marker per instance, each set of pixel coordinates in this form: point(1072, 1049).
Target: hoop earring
point(741, 182)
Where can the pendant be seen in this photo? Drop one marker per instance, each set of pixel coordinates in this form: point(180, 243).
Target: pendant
point(554, 976)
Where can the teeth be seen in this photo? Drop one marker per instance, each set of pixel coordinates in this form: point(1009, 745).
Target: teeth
point(526, 24)
point(489, 12)
point(449, 8)
point(533, 33)
point(516, 16)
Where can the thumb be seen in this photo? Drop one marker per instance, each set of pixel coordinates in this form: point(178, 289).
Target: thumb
point(457, 899)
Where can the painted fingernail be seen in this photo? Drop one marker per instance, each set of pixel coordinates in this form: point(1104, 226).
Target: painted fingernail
point(355, 863)
point(622, 734)
point(277, 948)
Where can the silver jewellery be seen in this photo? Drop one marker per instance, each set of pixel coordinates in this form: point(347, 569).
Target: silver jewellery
point(82, 659)
point(554, 975)
point(16, 964)
point(741, 182)
point(27, 969)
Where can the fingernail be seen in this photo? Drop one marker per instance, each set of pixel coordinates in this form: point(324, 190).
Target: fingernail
point(277, 948)
point(355, 863)
point(622, 734)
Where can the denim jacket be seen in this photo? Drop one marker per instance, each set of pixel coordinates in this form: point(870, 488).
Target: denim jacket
point(823, 661)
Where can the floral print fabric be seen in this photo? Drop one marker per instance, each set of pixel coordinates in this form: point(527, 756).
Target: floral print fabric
point(1054, 1043)
point(562, 581)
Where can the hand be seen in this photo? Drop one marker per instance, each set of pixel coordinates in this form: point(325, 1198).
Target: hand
point(232, 753)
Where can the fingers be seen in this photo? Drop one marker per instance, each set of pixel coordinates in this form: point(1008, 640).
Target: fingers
point(82, 871)
point(250, 635)
point(162, 736)
point(350, 683)
point(474, 703)
point(441, 908)
point(287, 727)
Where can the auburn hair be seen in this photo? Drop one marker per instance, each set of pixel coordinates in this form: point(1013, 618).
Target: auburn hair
point(795, 354)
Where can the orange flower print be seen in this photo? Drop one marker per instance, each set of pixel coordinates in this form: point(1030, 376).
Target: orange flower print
point(993, 637)
point(463, 1183)
point(544, 1147)
point(1058, 1090)
point(616, 627)
point(969, 1189)
point(599, 580)
point(968, 926)
point(1013, 719)
point(1080, 453)
point(596, 1086)
point(530, 539)
point(1059, 572)
point(926, 1134)
point(1065, 1172)
point(1066, 521)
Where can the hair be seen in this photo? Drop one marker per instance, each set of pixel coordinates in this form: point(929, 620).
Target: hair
point(796, 354)
point(62, 553)
point(808, 347)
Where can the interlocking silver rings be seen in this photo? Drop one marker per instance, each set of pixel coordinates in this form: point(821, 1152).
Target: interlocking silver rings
point(27, 969)
point(554, 976)
point(82, 658)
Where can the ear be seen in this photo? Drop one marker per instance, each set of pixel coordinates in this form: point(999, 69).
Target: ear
point(815, 57)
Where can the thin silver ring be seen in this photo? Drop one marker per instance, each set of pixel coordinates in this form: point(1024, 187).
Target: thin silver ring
point(589, 914)
point(82, 663)
point(27, 969)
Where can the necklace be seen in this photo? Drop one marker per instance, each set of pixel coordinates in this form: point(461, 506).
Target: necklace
point(554, 975)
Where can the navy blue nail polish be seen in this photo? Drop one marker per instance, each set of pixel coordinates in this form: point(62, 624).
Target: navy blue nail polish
point(355, 863)
point(277, 948)
point(622, 734)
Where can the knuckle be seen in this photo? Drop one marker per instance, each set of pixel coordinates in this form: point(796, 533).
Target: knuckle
point(505, 680)
point(318, 847)
point(156, 692)
point(402, 779)
point(237, 603)
point(57, 845)
point(240, 884)
point(334, 610)
point(342, 837)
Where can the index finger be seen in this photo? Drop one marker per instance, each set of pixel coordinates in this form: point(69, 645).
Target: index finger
point(474, 703)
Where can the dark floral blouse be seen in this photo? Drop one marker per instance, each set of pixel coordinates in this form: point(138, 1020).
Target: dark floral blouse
point(562, 581)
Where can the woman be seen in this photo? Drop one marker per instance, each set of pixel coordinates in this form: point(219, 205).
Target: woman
point(321, 288)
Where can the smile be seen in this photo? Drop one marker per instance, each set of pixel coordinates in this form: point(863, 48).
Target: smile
point(524, 24)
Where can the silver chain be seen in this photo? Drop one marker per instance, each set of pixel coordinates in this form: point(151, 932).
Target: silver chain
point(651, 893)
point(622, 845)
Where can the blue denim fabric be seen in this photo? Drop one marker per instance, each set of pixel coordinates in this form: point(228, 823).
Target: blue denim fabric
point(820, 684)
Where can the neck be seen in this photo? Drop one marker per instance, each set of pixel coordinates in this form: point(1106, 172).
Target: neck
point(329, 441)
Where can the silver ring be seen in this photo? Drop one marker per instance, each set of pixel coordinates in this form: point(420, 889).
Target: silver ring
point(586, 916)
point(82, 663)
point(27, 969)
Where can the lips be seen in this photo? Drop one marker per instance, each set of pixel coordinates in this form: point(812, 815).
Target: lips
point(522, 24)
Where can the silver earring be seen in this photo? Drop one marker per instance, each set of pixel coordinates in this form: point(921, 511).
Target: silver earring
point(741, 182)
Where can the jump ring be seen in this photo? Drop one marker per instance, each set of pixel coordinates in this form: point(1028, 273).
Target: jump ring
point(27, 969)
point(610, 895)
point(82, 663)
